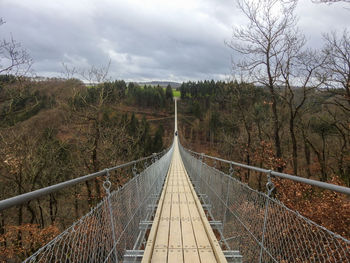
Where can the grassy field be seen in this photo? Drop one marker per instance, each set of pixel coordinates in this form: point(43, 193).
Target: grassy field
point(176, 93)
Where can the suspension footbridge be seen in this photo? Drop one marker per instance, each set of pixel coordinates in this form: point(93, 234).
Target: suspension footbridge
point(180, 229)
point(180, 209)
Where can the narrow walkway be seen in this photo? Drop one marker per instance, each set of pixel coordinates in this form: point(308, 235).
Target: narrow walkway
point(180, 230)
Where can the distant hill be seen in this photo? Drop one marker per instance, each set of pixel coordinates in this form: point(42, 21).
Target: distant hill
point(161, 83)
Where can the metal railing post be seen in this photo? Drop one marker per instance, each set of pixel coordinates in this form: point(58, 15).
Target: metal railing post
point(269, 186)
point(107, 186)
point(227, 194)
point(226, 203)
point(199, 177)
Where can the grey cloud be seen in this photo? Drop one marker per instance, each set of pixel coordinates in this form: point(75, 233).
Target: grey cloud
point(144, 41)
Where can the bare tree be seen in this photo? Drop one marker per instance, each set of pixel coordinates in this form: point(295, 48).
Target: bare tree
point(337, 51)
point(68, 72)
point(337, 54)
point(262, 42)
point(93, 100)
point(95, 75)
point(14, 59)
point(300, 76)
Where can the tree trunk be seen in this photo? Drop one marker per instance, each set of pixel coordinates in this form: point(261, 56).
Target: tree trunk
point(340, 161)
point(2, 230)
point(53, 208)
point(321, 159)
point(32, 212)
point(76, 207)
point(20, 210)
point(248, 154)
point(323, 163)
point(41, 215)
point(88, 188)
point(294, 144)
point(307, 158)
point(276, 135)
point(20, 221)
point(95, 162)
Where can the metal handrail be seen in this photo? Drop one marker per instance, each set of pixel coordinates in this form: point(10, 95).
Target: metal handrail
point(23, 198)
point(328, 186)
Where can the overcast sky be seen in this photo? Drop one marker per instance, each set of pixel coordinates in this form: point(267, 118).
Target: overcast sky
point(174, 40)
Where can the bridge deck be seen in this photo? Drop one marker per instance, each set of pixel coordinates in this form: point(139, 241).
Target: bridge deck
point(180, 231)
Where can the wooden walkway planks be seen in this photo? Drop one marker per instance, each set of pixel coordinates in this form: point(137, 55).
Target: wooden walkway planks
point(181, 231)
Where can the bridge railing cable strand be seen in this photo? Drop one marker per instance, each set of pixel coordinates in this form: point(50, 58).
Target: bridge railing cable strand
point(112, 227)
point(259, 226)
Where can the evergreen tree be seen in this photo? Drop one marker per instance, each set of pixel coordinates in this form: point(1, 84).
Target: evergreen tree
point(158, 140)
point(145, 140)
point(133, 125)
point(169, 93)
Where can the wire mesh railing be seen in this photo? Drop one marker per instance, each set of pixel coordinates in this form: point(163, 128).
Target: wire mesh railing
point(259, 226)
point(112, 227)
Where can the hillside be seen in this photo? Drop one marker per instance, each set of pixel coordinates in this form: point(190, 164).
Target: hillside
point(234, 121)
point(55, 130)
point(163, 84)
